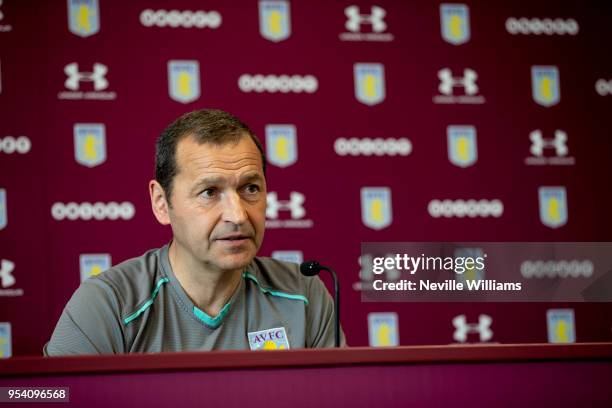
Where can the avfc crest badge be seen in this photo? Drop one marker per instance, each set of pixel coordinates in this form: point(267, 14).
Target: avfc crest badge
point(83, 17)
point(462, 149)
point(369, 83)
point(376, 210)
point(281, 145)
point(553, 206)
point(184, 80)
point(3, 211)
point(271, 339)
point(545, 87)
point(274, 20)
point(455, 23)
point(89, 144)
point(93, 264)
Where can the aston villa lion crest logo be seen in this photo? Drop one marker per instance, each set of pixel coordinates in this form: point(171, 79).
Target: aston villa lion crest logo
point(6, 341)
point(553, 206)
point(93, 264)
point(383, 330)
point(184, 80)
point(292, 256)
point(560, 326)
point(471, 273)
point(89, 144)
point(281, 145)
point(462, 150)
point(3, 211)
point(376, 210)
point(83, 17)
point(545, 87)
point(369, 83)
point(455, 23)
point(274, 20)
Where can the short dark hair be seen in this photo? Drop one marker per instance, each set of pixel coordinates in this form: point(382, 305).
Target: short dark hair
point(205, 126)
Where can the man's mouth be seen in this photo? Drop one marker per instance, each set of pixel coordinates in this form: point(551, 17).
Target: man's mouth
point(234, 238)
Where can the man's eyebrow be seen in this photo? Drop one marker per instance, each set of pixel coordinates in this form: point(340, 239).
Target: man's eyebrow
point(216, 181)
point(254, 176)
point(210, 180)
point(206, 181)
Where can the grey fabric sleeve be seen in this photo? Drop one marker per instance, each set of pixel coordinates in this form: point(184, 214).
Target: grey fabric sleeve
point(89, 324)
point(320, 320)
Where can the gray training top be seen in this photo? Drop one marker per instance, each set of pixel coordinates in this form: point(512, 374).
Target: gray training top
point(139, 306)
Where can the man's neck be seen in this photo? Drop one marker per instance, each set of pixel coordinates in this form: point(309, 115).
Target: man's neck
point(208, 289)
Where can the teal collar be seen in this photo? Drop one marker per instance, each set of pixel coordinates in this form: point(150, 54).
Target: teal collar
point(185, 301)
point(272, 292)
point(212, 322)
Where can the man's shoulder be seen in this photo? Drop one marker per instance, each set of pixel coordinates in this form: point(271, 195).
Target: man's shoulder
point(280, 276)
point(133, 279)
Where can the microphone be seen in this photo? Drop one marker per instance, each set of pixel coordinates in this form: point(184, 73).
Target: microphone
point(312, 268)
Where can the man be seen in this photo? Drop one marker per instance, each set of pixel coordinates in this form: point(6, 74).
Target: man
point(206, 289)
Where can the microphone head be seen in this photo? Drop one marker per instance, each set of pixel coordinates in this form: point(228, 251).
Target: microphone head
point(310, 268)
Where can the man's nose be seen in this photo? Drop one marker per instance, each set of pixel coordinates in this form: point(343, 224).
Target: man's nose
point(233, 209)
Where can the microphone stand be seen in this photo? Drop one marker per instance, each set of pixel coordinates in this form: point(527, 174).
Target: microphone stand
point(336, 303)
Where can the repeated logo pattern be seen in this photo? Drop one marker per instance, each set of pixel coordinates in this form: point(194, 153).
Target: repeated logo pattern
point(3, 209)
point(10, 144)
point(308, 113)
point(183, 19)
point(92, 211)
point(90, 144)
point(465, 208)
point(358, 21)
point(184, 80)
point(281, 145)
point(278, 83)
point(83, 17)
point(274, 20)
point(603, 87)
point(376, 209)
point(373, 147)
point(97, 76)
point(545, 85)
point(369, 83)
point(482, 329)
point(553, 206)
point(545, 26)
point(93, 264)
point(560, 325)
point(455, 23)
point(462, 150)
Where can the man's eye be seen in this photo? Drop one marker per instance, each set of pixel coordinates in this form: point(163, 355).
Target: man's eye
point(208, 193)
point(252, 189)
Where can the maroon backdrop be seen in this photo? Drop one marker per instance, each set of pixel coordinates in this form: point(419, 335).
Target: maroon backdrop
point(36, 46)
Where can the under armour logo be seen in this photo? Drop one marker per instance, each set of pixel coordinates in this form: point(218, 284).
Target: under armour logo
point(539, 143)
point(6, 277)
point(97, 76)
point(376, 19)
point(462, 328)
point(294, 204)
point(447, 81)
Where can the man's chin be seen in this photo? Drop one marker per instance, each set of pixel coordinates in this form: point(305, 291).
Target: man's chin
point(235, 261)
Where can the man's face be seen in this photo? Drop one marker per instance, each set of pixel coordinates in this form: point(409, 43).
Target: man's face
point(218, 202)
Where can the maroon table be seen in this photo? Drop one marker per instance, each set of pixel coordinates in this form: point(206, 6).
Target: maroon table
point(540, 375)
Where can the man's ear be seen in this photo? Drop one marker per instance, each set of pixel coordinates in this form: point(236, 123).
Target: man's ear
point(159, 202)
